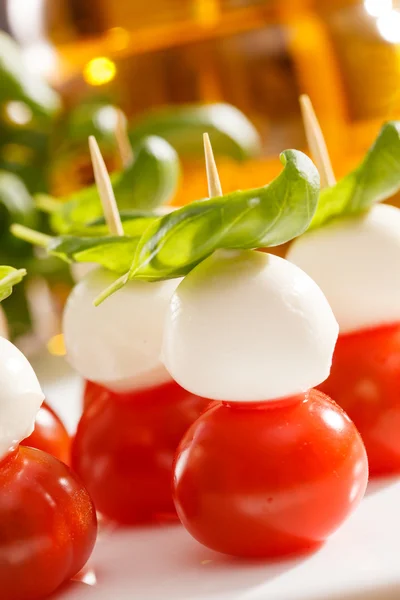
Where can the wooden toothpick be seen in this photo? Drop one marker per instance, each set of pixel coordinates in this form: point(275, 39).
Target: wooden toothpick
point(214, 184)
point(105, 189)
point(316, 142)
point(122, 138)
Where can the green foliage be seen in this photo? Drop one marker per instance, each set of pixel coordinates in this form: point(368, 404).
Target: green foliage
point(231, 133)
point(376, 179)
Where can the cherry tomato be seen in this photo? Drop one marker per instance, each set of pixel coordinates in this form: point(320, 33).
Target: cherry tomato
point(124, 449)
point(269, 480)
point(93, 391)
point(50, 435)
point(47, 525)
point(365, 381)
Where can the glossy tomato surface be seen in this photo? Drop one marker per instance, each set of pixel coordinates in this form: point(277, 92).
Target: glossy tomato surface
point(93, 391)
point(50, 435)
point(270, 480)
point(47, 525)
point(365, 381)
point(124, 449)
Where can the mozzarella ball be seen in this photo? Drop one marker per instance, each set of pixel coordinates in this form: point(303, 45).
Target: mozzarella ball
point(248, 326)
point(20, 397)
point(356, 263)
point(118, 343)
point(80, 270)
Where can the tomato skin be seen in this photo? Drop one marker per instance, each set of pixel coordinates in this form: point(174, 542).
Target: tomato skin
point(124, 449)
point(47, 525)
point(365, 381)
point(50, 435)
point(269, 481)
point(93, 391)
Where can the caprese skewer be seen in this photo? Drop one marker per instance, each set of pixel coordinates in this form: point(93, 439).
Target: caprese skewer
point(275, 466)
point(47, 519)
point(354, 258)
point(125, 442)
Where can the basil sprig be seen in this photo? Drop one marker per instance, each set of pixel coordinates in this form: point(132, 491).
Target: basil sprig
point(112, 252)
point(8, 278)
point(151, 180)
point(134, 223)
point(263, 217)
point(376, 179)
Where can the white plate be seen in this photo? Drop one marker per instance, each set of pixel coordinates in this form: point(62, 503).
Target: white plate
point(360, 562)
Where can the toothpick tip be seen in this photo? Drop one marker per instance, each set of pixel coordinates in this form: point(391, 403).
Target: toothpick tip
point(93, 147)
point(214, 184)
point(122, 138)
point(305, 103)
point(316, 141)
point(97, 159)
point(105, 189)
point(121, 118)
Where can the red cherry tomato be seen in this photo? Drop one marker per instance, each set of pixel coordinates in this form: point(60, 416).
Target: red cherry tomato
point(124, 449)
point(93, 391)
point(270, 480)
point(50, 435)
point(365, 381)
point(47, 525)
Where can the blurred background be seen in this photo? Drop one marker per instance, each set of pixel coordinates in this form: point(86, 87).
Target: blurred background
point(257, 55)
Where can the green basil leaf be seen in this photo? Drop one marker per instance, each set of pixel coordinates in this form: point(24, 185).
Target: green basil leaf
point(8, 278)
point(231, 133)
point(135, 223)
point(71, 215)
point(18, 84)
point(150, 181)
point(112, 252)
point(153, 178)
point(374, 180)
point(262, 217)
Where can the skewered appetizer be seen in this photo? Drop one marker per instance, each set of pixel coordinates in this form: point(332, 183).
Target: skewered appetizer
point(352, 252)
point(254, 332)
point(143, 413)
point(125, 442)
point(47, 519)
point(274, 467)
